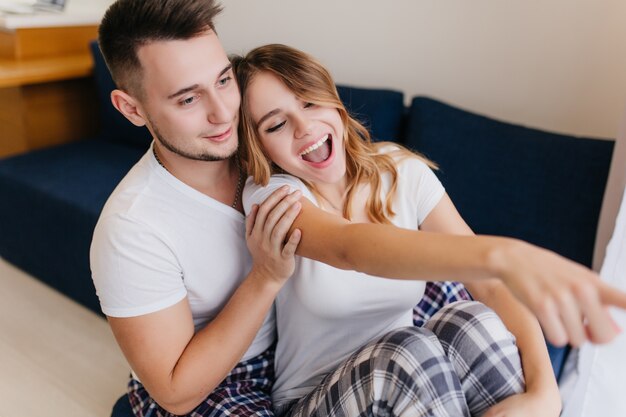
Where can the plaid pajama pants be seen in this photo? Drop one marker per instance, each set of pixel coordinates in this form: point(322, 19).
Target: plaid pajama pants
point(459, 364)
point(246, 391)
point(436, 295)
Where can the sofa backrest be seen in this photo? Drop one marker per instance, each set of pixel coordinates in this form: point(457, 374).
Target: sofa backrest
point(511, 180)
point(382, 111)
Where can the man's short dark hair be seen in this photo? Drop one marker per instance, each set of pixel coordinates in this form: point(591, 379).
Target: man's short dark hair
point(129, 24)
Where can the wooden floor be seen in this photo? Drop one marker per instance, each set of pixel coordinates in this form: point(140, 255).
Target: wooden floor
point(56, 357)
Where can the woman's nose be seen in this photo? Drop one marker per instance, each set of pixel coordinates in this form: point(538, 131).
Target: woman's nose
point(303, 127)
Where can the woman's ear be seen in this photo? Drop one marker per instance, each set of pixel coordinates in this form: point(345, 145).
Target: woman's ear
point(128, 106)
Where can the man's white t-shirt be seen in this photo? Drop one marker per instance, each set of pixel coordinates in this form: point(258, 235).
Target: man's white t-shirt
point(158, 241)
point(325, 314)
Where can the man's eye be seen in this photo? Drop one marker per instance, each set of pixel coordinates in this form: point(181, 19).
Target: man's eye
point(275, 127)
point(225, 80)
point(188, 101)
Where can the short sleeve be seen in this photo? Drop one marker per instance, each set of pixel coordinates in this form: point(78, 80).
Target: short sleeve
point(134, 271)
point(423, 185)
point(257, 194)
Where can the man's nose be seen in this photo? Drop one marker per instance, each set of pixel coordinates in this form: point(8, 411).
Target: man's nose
point(218, 110)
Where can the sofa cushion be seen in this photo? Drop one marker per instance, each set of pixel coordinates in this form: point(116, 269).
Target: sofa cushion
point(511, 180)
point(115, 127)
point(122, 407)
point(382, 111)
point(50, 202)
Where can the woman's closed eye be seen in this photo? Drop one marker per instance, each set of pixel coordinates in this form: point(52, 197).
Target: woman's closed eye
point(275, 127)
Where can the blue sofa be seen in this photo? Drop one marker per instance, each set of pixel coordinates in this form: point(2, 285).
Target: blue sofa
point(505, 179)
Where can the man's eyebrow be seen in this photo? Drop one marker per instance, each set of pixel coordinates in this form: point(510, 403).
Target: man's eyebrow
point(182, 91)
point(185, 90)
point(267, 116)
point(225, 70)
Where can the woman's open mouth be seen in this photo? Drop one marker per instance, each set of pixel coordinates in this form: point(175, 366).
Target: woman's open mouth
point(320, 151)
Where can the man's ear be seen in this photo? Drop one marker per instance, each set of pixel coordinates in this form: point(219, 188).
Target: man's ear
point(128, 106)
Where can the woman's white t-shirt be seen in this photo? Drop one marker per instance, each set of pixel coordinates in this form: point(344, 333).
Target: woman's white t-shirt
point(325, 314)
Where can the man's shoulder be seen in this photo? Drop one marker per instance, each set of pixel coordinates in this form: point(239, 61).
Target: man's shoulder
point(137, 191)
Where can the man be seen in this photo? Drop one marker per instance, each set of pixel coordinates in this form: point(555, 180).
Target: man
point(184, 298)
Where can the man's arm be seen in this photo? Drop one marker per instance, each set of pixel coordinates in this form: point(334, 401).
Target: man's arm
point(180, 368)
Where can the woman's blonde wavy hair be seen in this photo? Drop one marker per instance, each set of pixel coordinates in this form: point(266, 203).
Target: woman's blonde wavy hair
point(311, 82)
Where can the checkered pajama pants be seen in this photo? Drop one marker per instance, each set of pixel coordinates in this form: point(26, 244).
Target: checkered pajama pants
point(246, 391)
point(436, 295)
point(459, 364)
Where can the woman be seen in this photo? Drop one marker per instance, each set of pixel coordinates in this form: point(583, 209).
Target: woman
point(292, 121)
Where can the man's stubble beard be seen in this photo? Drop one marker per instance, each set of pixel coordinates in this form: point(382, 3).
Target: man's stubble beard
point(207, 157)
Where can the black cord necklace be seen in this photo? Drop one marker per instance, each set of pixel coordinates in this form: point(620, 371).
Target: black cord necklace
point(239, 179)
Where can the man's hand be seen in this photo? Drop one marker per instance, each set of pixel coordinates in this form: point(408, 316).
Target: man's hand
point(267, 227)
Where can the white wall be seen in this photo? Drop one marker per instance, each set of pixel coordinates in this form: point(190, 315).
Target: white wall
point(558, 65)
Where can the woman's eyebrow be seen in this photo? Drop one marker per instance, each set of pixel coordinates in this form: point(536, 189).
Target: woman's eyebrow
point(267, 116)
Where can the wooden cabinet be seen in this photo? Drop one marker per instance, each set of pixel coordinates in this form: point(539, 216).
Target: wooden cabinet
point(47, 95)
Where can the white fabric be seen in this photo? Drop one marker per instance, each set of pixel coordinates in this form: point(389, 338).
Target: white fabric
point(159, 240)
point(324, 314)
point(599, 387)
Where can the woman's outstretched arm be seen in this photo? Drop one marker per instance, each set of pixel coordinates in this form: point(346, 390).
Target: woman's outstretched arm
point(555, 289)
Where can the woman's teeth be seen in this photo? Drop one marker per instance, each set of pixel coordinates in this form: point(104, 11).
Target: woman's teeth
point(315, 145)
